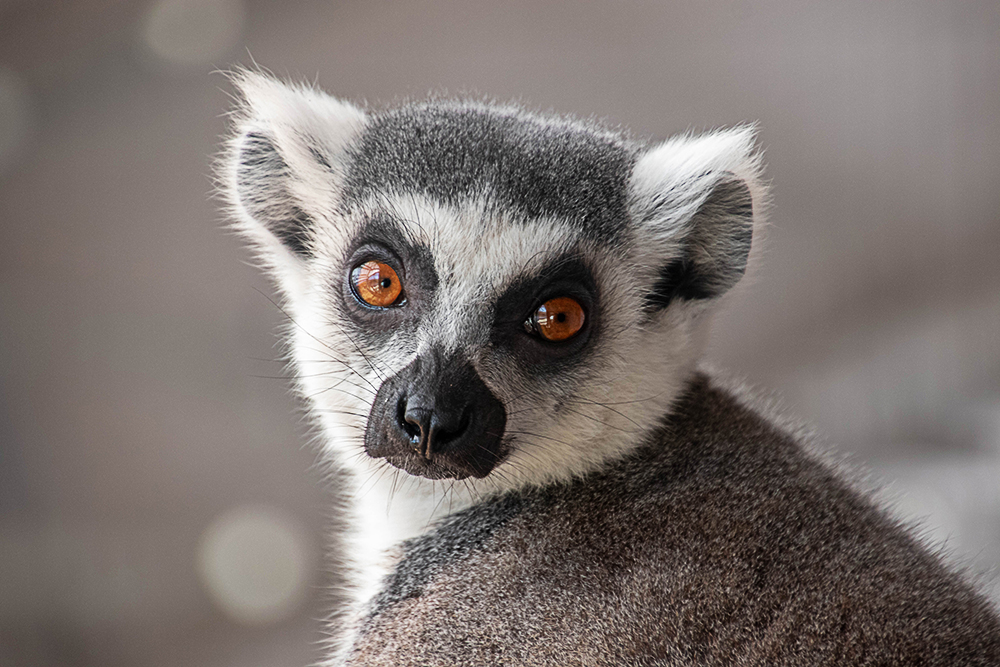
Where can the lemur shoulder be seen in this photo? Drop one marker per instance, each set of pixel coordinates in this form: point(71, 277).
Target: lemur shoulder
point(496, 318)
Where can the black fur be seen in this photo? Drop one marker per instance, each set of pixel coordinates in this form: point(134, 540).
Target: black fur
point(295, 232)
point(567, 275)
point(537, 167)
point(383, 239)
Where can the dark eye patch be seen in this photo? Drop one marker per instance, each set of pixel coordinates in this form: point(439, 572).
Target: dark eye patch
point(383, 239)
point(566, 276)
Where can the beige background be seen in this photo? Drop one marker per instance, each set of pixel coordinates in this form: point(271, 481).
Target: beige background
point(140, 403)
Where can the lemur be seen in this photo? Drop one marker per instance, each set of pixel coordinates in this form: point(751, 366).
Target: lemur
point(496, 318)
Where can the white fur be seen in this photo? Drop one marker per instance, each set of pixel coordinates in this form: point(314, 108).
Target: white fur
point(681, 170)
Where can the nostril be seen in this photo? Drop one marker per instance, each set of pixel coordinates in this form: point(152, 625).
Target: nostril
point(409, 425)
point(401, 411)
point(431, 428)
point(412, 429)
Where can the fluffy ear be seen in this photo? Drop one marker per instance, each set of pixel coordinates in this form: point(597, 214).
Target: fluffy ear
point(284, 164)
point(695, 200)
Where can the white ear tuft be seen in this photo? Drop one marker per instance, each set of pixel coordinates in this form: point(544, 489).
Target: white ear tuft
point(297, 112)
point(695, 201)
point(672, 176)
point(285, 163)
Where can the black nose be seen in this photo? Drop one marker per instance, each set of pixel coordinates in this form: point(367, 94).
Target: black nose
point(437, 418)
point(432, 428)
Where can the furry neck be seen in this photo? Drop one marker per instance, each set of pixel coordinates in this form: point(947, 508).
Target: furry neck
point(388, 507)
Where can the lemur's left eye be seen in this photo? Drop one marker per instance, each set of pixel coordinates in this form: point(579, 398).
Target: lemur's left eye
point(377, 284)
point(557, 319)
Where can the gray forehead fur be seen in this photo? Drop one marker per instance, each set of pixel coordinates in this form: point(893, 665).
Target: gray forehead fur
point(538, 166)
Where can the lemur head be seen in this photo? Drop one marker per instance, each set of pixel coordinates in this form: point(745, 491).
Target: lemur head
point(476, 292)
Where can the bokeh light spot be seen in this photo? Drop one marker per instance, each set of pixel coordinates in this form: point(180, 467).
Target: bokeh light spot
point(255, 563)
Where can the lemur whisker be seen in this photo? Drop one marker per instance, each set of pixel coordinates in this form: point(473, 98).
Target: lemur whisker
point(603, 422)
point(332, 358)
point(293, 320)
point(347, 365)
point(606, 406)
point(526, 453)
point(336, 388)
point(309, 375)
point(375, 478)
point(364, 356)
point(451, 496)
point(346, 413)
point(539, 435)
point(392, 490)
point(430, 517)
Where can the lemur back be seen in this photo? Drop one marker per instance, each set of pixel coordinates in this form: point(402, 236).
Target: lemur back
point(496, 318)
point(717, 542)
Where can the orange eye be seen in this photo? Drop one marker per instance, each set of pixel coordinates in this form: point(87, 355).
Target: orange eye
point(377, 284)
point(558, 319)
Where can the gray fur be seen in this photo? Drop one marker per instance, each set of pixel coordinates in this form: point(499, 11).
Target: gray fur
point(614, 506)
point(719, 542)
point(456, 539)
point(539, 167)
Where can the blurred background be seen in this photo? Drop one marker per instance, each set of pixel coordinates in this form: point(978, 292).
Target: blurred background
point(159, 501)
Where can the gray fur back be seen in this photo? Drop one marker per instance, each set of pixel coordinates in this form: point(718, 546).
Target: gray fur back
point(719, 542)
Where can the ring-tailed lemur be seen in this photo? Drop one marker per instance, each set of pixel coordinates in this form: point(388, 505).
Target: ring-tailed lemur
point(497, 318)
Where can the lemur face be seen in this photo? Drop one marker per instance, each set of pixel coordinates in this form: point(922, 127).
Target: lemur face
point(483, 294)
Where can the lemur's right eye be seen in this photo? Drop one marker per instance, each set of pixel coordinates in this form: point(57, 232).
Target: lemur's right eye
point(377, 284)
point(557, 319)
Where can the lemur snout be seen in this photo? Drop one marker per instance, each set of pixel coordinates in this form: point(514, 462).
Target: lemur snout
point(431, 429)
point(437, 418)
